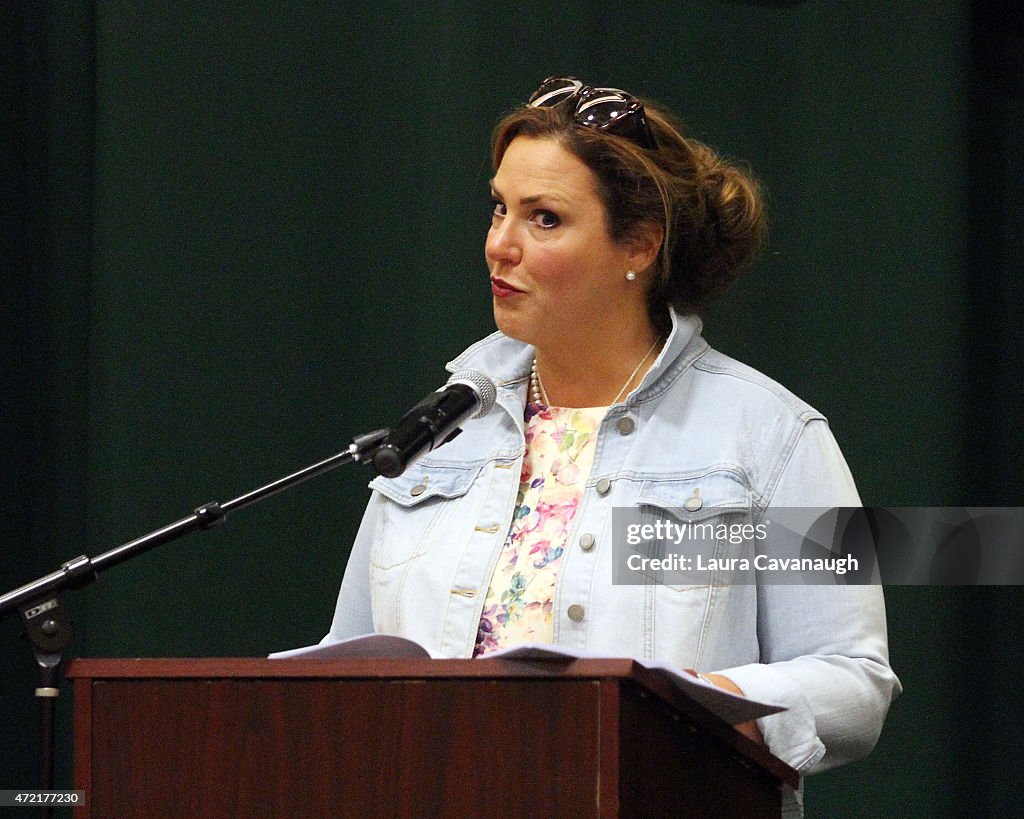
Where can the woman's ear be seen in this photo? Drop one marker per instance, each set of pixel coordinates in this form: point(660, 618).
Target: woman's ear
point(645, 245)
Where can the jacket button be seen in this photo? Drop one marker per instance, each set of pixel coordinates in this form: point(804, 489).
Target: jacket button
point(625, 425)
point(603, 486)
point(587, 542)
point(576, 612)
point(417, 490)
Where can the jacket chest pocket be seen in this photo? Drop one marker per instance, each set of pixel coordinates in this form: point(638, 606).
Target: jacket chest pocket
point(422, 503)
point(700, 529)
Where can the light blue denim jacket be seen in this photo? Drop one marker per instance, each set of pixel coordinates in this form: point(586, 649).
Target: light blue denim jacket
point(429, 541)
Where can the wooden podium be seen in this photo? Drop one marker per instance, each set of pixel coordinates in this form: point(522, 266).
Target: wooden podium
point(416, 738)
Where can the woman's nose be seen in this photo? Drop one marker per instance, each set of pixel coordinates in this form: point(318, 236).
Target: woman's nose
point(502, 245)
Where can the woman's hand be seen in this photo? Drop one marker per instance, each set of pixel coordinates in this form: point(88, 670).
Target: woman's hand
point(748, 729)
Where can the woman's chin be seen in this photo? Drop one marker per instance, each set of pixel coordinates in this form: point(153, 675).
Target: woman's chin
point(511, 325)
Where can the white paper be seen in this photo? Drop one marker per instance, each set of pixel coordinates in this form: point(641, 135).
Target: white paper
point(364, 647)
point(730, 707)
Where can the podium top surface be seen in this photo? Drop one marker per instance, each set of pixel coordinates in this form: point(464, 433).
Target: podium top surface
point(224, 667)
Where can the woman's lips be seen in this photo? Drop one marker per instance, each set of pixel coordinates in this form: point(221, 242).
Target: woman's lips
point(502, 289)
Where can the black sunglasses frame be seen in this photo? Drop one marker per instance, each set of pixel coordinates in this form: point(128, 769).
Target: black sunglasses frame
point(625, 118)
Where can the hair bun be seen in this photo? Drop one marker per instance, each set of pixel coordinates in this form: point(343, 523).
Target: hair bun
point(720, 233)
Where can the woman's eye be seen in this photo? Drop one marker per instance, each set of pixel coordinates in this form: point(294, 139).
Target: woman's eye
point(545, 219)
point(497, 208)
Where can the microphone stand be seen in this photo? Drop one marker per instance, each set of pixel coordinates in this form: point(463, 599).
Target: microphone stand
point(46, 623)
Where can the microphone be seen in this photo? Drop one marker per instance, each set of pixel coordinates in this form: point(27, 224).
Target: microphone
point(435, 420)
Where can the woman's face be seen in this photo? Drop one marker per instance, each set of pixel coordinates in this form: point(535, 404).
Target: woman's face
point(556, 273)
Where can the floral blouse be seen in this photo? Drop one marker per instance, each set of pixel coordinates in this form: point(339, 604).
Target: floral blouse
point(560, 445)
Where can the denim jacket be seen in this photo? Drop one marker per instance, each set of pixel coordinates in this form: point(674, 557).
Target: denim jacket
point(699, 421)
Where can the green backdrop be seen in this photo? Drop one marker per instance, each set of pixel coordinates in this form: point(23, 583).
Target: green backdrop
point(235, 234)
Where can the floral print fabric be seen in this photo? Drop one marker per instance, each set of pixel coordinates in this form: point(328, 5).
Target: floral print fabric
point(560, 445)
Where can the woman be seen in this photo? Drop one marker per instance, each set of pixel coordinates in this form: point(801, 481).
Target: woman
point(610, 233)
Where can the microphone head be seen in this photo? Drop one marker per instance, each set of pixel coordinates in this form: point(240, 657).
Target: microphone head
point(481, 385)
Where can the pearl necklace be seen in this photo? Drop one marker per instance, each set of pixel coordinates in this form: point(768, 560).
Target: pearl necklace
point(540, 396)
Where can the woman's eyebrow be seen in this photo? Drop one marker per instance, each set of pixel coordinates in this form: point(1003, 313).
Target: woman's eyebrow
point(526, 200)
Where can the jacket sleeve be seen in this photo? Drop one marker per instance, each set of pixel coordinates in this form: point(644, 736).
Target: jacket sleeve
point(823, 648)
point(353, 613)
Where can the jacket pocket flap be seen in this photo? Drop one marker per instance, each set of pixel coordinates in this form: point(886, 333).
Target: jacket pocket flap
point(696, 498)
point(420, 483)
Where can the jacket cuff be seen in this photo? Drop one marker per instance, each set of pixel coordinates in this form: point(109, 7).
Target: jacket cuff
point(790, 735)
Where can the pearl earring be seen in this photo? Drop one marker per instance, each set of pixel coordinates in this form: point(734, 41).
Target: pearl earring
point(630, 276)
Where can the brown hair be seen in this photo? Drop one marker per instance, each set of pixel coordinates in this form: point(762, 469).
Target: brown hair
point(711, 211)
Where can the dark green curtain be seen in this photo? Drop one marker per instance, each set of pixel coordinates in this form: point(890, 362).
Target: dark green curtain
point(47, 86)
point(237, 234)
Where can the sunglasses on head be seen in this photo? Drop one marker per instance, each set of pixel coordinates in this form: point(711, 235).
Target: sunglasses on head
point(606, 109)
